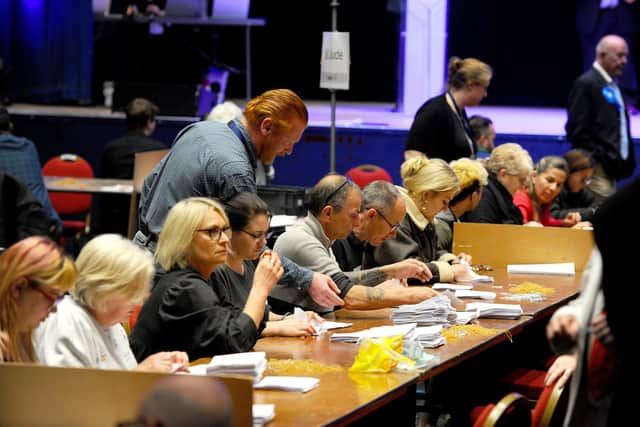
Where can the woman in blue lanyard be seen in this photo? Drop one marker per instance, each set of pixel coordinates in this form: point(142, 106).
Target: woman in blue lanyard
point(441, 128)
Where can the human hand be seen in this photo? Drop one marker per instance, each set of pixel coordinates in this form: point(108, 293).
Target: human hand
point(462, 272)
point(462, 257)
point(324, 291)
point(268, 271)
point(572, 219)
point(562, 332)
point(411, 268)
point(561, 370)
point(165, 362)
point(312, 316)
point(153, 9)
point(601, 329)
point(4, 346)
point(292, 327)
point(533, 224)
point(584, 224)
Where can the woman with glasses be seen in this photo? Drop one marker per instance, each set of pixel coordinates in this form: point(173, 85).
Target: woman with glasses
point(534, 200)
point(429, 185)
point(113, 277)
point(184, 310)
point(34, 276)
point(249, 218)
point(574, 196)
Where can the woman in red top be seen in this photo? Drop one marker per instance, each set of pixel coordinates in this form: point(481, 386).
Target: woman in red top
point(534, 202)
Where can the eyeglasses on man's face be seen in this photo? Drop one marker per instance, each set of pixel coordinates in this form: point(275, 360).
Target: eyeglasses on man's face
point(53, 299)
point(336, 191)
point(215, 233)
point(393, 227)
point(259, 236)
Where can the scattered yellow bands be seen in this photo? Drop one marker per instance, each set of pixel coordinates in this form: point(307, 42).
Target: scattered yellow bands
point(299, 367)
point(455, 332)
point(531, 288)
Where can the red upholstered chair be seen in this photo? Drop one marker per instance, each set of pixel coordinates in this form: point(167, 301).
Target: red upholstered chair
point(70, 205)
point(364, 174)
point(511, 410)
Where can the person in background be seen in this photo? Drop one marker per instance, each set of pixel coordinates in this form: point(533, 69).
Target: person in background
point(509, 168)
point(113, 277)
point(334, 211)
point(428, 186)
point(186, 401)
point(249, 218)
point(19, 157)
point(472, 177)
point(117, 162)
point(441, 128)
point(227, 111)
point(184, 310)
point(34, 276)
point(535, 201)
point(484, 135)
point(598, 121)
point(218, 160)
point(574, 196)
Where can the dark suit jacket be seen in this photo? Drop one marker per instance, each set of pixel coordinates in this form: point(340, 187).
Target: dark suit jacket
point(495, 207)
point(593, 125)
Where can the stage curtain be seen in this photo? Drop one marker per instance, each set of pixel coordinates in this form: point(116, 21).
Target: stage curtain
point(47, 49)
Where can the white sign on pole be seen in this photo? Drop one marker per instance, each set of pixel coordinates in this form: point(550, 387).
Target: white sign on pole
point(334, 65)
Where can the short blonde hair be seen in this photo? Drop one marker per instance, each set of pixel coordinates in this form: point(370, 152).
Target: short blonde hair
point(461, 72)
point(225, 112)
point(280, 105)
point(112, 265)
point(177, 233)
point(510, 157)
point(421, 175)
point(469, 171)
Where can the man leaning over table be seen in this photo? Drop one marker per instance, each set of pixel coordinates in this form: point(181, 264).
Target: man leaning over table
point(335, 209)
point(218, 160)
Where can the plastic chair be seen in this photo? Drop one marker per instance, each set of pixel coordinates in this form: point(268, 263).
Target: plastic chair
point(70, 204)
point(550, 407)
point(512, 410)
point(364, 174)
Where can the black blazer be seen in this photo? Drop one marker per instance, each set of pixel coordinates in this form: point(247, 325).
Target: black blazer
point(495, 207)
point(593, 125)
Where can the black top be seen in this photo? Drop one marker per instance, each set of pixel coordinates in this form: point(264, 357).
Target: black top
point(582, 202)
point(438, 132)
point(184, 313)
point(495, 207)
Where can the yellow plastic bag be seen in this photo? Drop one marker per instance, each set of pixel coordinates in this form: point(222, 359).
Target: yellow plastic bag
point(379, 355)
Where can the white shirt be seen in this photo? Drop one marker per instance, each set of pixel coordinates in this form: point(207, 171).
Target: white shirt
point(72, 337)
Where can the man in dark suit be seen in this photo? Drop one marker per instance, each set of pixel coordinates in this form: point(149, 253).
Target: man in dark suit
point(117, 162)
point(597, 117)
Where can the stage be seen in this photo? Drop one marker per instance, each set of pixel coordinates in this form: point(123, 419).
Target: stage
point(365, 133)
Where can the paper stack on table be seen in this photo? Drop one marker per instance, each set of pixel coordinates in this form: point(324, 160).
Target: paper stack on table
point(251, 363)
point(430, 336)
point(263, 413)
point(433, 311)
point(496, 311)
point(286, 383)
point(461, 293)
point(563, 268)
point(377, 332)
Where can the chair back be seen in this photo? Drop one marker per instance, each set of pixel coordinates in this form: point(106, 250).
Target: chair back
point(69, 165)
point(550, 407)
point(143, 165)
point(512, 410)
point(364, 174)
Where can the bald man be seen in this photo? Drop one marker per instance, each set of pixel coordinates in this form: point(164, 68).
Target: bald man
point(186, 401)
point(597, 118)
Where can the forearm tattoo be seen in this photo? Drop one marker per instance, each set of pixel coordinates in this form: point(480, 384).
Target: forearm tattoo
point(371, 277)
point(375, 294)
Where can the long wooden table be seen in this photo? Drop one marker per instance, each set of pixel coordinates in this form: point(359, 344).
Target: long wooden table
point(68, 184)
point(343, 398)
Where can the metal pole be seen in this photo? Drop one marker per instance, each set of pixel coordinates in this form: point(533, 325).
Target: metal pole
point(332, 155)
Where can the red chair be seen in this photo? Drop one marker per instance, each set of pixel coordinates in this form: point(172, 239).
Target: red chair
point(70, 204)
point(511, 410)
point(364, 174)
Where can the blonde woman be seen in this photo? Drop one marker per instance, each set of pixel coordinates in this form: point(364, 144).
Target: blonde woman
point(509, 167)
point(34, 276)
point(441, 127)
point(472, 177)
point(429, 186)
point(184, 311)
point(113, 277)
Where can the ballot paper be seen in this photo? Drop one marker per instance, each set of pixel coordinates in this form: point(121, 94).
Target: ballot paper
point(451, 286)
point(251, 363)
point(475, 294)
point(287, 383)
point(496, 311)
point(263, 413)
point(319, 327)
point(563, 269)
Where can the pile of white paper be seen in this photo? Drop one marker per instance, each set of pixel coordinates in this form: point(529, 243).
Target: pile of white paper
point(284, 383)
point(252, 363)
point(377, 332)
point(263, 413)
point(430, 336)
point(475, 294)
point(433, 311)
point(496, 311)
point(563, 268)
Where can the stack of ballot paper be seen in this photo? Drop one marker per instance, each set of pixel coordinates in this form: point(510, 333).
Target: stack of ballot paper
point(461, 293)
point(563, 268)
point(263, 413)
point(430, 336)
point(496, 311)
point(433, 311)
point(464, 317)
point(301, 384)
point(377, 332)
point(252, 363)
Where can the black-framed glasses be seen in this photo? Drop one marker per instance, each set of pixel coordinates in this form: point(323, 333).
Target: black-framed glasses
point(215, 233)
point(391, 226)
point(259, 236)
point(337, 190)
point(54, 299)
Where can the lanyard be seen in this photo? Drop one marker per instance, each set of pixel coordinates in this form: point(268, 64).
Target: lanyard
point(465, 124)
point(232, 125)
